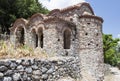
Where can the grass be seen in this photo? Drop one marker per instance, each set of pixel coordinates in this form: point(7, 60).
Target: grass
point(8, 51)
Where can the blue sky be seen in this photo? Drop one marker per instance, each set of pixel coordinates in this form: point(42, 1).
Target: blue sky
point(108, 10)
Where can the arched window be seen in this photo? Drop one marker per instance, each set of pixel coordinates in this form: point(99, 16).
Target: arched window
point(67, 37)
point(40, 37)
point(20, 36)
point(34, 38)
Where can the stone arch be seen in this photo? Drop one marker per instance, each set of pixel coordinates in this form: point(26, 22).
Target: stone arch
point(34, 38)
point(67, 38)
point(40, 36)
point(20, 35)
point(35, 19)
point(18, 23)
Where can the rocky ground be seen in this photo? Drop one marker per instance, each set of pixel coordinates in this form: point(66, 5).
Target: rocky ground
point(114, 74)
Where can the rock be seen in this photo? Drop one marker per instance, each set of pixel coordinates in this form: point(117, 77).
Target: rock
point(36, 77)
point(32, 61)
point(37, 72)
point(51, 70)
point(44, 76)
point(3, 63)
point(13, 66)
point(16, 77)
point(34, 67)
point(28, 79)
point(44, 69)
point(19, 61)
point(8, 73)
point(20, 68)
point(26, 63)
point(3, 68)
point(7, 79)
point(60, 62)
point(25, 77)
point(28, 70)
point(1, 75)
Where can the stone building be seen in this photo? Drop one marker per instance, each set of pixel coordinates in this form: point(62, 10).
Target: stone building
point(72, 31)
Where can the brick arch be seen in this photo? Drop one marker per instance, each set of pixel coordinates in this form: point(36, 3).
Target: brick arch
point(67, 38)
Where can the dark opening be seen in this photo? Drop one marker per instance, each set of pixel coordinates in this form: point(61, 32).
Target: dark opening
point(41, 44)
point(88, 23)
point(58, 39)
point(73, 39)
point(40, 34)
point(96, 44)
point(88, 44)
point(67, 37)
point(97, 34)
point(86, 33)
point(36, 40)
point(20, 36)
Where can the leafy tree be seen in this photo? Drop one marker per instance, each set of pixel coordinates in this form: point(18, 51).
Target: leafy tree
point(109, 48)
point(118, 53)
point(10, 10)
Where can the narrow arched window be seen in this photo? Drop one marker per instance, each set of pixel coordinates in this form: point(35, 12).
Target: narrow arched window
point(20, 36)
point(34, 38)
point(67, 39)
point(40, 37)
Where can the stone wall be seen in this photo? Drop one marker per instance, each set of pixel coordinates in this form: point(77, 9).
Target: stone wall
point(91, 50)
point(39, 69)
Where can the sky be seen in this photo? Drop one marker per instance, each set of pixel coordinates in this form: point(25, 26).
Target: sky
point(108, 10)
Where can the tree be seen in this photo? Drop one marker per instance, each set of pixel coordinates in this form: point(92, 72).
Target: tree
point(118, 53)
point(10, 10)
point(109, 49)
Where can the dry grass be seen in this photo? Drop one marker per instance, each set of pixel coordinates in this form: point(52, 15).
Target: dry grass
point(8, 51)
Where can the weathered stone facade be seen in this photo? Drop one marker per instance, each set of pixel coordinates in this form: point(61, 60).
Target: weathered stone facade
point(73, 31)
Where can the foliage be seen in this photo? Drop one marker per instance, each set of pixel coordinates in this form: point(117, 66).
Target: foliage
point(109, 48)
point(118, 53)
point(12, 9)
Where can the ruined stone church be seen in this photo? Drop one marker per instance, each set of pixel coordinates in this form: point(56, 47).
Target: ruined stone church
point(73, 31)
